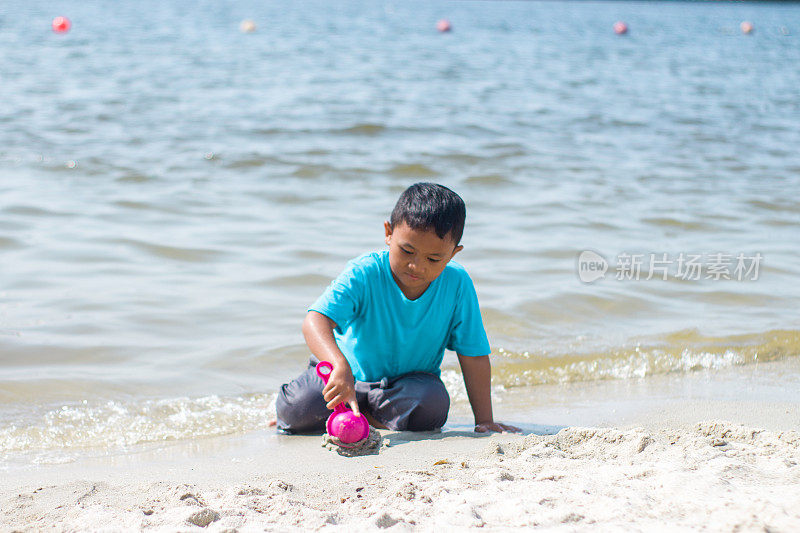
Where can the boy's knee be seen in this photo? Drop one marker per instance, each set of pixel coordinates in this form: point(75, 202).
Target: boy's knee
point(300, 409)
point(414, 402)
point(432, 407)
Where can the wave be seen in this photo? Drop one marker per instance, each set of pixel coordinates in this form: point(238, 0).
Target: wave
point(117, 425)
point(113, 426)
point(680, 352)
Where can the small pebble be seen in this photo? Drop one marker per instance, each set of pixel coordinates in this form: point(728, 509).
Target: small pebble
point(203, 518)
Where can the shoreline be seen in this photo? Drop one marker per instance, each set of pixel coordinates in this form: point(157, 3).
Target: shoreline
point(699, 461)
point(713, 475)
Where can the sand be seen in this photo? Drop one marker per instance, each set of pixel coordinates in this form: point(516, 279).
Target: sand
point(718, 452)
point(713, 475)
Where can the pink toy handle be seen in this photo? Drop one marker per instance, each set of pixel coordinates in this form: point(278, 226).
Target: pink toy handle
point(324, 369)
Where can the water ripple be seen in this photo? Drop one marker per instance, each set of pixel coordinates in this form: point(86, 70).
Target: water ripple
point(177, 253)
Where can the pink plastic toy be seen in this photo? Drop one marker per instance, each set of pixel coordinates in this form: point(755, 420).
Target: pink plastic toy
point(343, 423)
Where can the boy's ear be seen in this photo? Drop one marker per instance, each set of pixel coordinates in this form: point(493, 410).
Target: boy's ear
point(388, 228)
point(456, 250)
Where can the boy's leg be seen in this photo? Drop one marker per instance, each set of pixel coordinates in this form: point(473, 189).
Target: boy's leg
point(413, 402)
point(300, 407)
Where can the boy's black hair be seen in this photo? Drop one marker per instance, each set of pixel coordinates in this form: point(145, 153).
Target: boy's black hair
point(426, 206)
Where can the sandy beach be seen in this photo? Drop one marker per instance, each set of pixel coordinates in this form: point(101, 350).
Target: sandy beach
point(714, 475)
point(182, 180)
point(667, 468)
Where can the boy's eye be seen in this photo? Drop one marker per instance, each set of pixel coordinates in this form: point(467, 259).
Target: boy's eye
point(406, 251)
point(433, 260)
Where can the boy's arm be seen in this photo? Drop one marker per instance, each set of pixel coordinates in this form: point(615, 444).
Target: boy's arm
point(477, 373)
point(318, 332)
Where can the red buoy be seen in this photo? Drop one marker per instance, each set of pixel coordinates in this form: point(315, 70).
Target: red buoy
point(443, 25)
point(620, 27)
point(61, 24)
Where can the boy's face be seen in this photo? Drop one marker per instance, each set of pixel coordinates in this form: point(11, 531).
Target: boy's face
point(417, 257)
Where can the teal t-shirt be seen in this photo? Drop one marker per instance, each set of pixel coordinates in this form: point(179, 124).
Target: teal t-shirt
point(383, 334)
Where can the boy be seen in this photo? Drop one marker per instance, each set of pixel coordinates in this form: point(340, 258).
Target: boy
point(384, 324)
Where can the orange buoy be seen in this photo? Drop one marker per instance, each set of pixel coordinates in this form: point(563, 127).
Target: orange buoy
point(444, 26)
point(61, 24)
point(747, 27)
point(620, 27)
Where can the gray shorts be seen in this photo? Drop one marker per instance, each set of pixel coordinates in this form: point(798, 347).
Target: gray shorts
point(417, 401)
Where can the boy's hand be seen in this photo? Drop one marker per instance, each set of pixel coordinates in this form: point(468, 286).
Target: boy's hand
point(478, 381)
point(341, 388)
point(318, 332)
point(496, 426)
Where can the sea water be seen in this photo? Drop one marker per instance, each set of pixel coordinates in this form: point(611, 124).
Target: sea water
point(174, 193)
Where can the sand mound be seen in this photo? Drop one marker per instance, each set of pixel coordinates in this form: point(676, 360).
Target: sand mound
point(369, 446)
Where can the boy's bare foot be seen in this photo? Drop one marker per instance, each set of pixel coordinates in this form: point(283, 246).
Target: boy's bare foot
point(272, 422)
point(372, 422)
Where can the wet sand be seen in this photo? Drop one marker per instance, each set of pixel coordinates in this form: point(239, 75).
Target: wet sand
point(679, 465)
